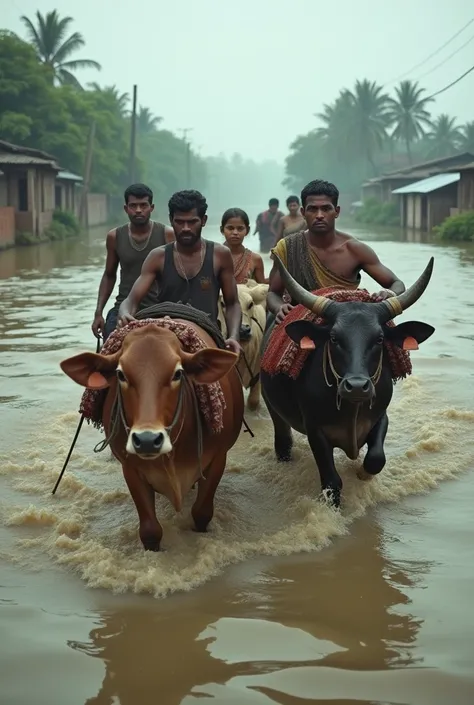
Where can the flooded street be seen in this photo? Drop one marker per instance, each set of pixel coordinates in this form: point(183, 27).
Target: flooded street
point(284, 600)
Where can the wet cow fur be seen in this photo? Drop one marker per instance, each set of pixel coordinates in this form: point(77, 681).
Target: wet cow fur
point(150, 369)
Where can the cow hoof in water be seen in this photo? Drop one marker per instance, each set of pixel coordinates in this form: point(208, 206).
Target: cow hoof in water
point(331, 497)
point(152, 545)
point(283, 450)
point(363, 475)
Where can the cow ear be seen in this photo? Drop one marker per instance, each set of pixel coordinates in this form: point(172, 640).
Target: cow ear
point(306, 334)
point(208, 365)
point(409, 335)
point(91, 369)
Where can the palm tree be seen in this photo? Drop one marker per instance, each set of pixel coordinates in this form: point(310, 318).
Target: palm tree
point(466, 142)
point(408, 115)
point(146, 121)
point(444, 137)
point(113, 97)
point(54, 49)
point(335, 131)
point(368, 119)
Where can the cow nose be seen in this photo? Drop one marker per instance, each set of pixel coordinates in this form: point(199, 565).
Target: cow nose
point(245, 332)
point(356, 388)
point(147, 442)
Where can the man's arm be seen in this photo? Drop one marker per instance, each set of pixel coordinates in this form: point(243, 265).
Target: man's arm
point(370, 263)
point(107, 282)
point(279, 230)
point(258, 270)
point(169, 234)
point(151, 270)
point(233, 312)
point(257, 224)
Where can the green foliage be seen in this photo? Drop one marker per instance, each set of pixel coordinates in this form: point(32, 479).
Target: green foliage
point(457, 228)
point(56, 119)
point(68, 220)
point(374, 212)
point(365, 132)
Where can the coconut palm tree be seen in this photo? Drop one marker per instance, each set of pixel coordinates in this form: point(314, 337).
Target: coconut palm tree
point(466, 143)
point(444, 138)
point(408, 115)
point(368, 121)
point(146, 121)
point(113, 97)
point(335, 129)
point(54, 48)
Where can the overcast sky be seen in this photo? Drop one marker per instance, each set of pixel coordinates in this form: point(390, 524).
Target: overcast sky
point(248, 75)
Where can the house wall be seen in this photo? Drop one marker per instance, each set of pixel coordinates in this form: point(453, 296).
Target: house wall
point(440, 203)
point(7, 226)
point(3, 191)
point(97, 209)
point(466, 190)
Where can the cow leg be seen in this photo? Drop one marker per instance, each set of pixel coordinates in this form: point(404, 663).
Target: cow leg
point(283, 438)
point(143, 496)
point(203, 508)
point(374, 460)
point(331, 483)
point(253, 401)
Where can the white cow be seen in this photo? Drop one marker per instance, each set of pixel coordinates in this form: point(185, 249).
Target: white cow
point(253, 299)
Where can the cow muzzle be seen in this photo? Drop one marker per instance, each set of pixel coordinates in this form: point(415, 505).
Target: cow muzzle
point(148, 443)
point(245, 332)
point(356, 389)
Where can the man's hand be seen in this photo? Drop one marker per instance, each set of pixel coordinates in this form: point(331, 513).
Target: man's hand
point(98, 325)
point(282, 313)
point(233, 346)
point(124, 316)
point(384, 294)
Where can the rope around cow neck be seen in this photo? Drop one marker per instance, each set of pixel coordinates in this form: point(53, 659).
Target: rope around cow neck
point(118, 415)
point(327, 359)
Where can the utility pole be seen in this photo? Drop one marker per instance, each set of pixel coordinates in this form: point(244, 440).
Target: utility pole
point(83, 210)
point(187, 147)
point(133, 135)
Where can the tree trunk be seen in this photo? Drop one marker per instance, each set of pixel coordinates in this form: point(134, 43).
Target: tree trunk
point(407, 142)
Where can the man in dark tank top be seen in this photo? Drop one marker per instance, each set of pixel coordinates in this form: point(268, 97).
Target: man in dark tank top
point(128, 246)
point(190, 270)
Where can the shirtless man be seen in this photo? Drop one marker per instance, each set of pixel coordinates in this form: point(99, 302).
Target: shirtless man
point(266, 225)
point(321, 256)
point(190, 270)
point(128, 246)
point(293, 222)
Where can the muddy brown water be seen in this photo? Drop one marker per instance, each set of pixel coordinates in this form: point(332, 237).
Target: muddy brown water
point(284, 600)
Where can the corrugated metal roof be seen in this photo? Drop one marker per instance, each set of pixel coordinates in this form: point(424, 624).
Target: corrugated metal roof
point(25, 159)
point(433, 183)
point(68, 176)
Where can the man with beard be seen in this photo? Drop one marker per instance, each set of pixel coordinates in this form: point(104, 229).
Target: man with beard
point(190, 270)
point(321, 256)
point(128, 246)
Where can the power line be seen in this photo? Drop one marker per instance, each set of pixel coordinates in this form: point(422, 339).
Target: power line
point(446, 59)
point(433, 95)
point(422, 63)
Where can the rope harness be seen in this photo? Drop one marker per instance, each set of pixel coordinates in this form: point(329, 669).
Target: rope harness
point(117, 416)
point(327, 359)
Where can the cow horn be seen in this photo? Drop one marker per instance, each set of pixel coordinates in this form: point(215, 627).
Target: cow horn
point(314, 303)
point(397, 304)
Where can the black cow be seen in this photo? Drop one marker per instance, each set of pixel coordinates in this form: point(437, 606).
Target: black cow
point(340, 398)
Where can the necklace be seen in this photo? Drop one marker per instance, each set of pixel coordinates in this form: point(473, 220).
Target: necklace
point(180, 261)
point(142, 246)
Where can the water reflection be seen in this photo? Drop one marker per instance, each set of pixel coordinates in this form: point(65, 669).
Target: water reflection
point(345, 608)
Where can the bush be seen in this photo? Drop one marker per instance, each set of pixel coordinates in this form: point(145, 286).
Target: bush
point(457, 228)
point(69, 221)
point(374, 212)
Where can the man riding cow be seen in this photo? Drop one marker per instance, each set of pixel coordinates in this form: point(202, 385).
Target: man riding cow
point(328, 372)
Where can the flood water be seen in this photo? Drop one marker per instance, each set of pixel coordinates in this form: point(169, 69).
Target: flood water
point(284, 600)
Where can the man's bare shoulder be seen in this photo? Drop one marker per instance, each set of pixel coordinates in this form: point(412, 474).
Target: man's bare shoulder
point(363, 251)
point(222, 252)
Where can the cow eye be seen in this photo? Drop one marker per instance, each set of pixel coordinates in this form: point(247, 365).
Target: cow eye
point(251, 305)
point(177, 375)
point(120, 376)
point(333, 339)
point(380, 340)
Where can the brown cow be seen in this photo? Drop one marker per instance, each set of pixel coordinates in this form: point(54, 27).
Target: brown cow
point(151, 377)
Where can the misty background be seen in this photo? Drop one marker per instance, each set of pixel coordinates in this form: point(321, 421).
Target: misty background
point(247, 82)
